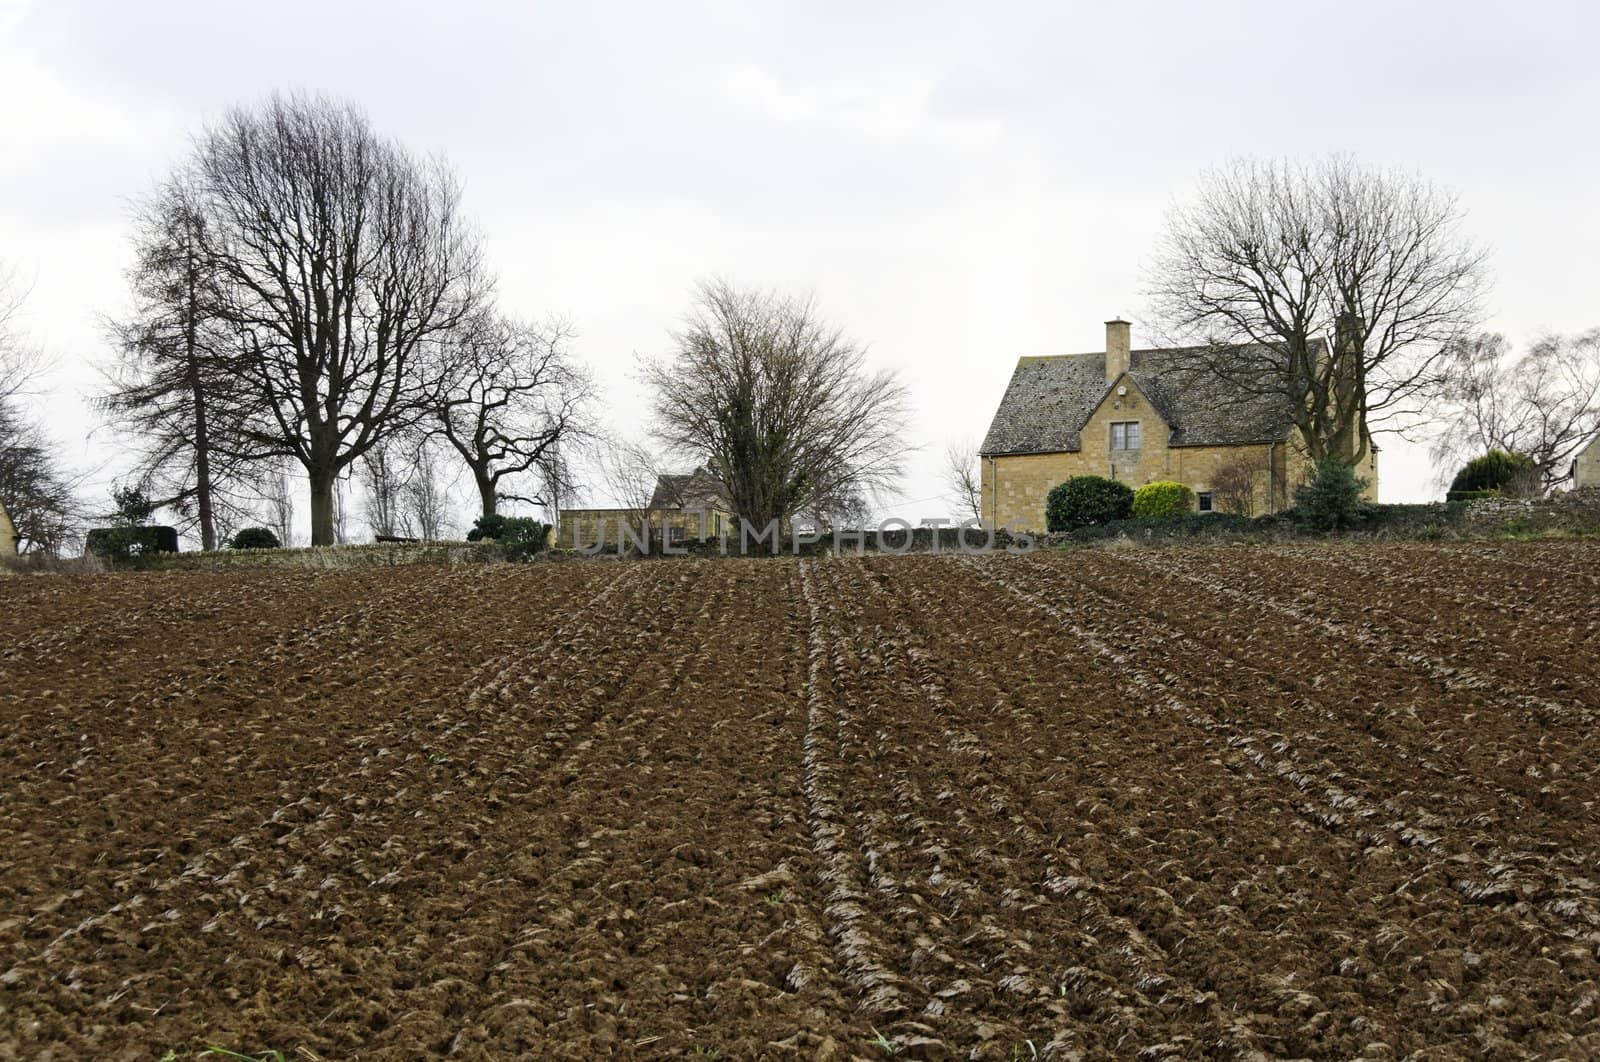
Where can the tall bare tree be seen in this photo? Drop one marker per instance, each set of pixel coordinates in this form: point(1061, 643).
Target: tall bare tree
point(780, 404)
point(383, 478)
point(424, 501)
point(559, 478)
point(629, 470)
point(1270, 257)
point(512, 399)
point(277, 496)
point(176, 384)
point(40, 497)
point(963, 477)
point(1543, 404)
point(343, 262)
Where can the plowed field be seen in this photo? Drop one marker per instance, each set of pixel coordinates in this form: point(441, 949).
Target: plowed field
point(1240, 801)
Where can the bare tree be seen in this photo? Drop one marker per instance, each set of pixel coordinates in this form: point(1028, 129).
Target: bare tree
point(513, 398)
point(1233, 485)
point(1272, 257)
point(342, 262)
point(559, 476)
point(176, 384)
point(277, 495)
point(963, 476)
point(39, 496)
point(629, 470)
point(383, 478)
point(424, 502)
point(1543, 404)
point(341, 511)
point(19, 363)
point(778, 403)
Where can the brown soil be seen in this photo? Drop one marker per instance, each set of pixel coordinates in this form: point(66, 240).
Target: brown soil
point(1296, 801)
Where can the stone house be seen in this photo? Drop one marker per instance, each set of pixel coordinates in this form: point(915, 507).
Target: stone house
point(1137, 416)
point(682, 508)
point(1586, 466)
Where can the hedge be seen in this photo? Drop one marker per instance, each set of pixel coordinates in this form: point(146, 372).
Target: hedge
point(125, 543)
point(1496, 472)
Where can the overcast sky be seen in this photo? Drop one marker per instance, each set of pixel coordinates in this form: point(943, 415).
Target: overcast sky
point(957, 184)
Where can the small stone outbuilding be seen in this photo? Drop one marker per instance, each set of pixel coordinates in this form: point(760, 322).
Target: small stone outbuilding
point(8, 534)
point(689, 507)
point(1586, 466)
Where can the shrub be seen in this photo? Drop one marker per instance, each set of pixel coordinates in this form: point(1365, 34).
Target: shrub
point(1162, 500)
point(1233, 486)
point(1332, 500)
point(126, 543)
point(255, 538)
point(520, 536)
point(1085, 500)
point(1496, 472)
point(487, 527)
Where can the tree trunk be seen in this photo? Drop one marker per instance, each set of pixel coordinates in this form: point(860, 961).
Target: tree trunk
point(202, 441)
point(202, 480)
point(202, 462)
point(486, 496)
point(322, 507)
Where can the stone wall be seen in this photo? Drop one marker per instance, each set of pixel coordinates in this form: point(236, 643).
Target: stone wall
point(1573, 510)
point(375, 555)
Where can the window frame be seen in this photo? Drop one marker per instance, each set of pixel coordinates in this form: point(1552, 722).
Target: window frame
point(1205, 501)
point(1132, 436)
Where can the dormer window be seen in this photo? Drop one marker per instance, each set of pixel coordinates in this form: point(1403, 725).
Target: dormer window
point(1125, 435)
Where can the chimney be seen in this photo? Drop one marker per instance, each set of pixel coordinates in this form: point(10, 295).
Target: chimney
point(1117, 345)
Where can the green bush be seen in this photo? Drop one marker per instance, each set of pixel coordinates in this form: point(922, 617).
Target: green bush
point(519, 536)
point(1162, 500)
point(486, 527)
point(1332, 500)
point(1495, 473)
point(1086, 500)
point(127, 543)
point(255, 538)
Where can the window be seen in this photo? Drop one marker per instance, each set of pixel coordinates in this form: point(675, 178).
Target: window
point(1204, 500)
point(1125, 435)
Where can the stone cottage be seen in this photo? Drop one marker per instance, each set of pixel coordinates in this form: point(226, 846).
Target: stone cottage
point(681, 508)
point(1137, 416)
point(1586, 466)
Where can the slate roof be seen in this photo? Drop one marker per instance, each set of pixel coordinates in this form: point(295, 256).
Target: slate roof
point(699, 489)
point(1050, 398)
